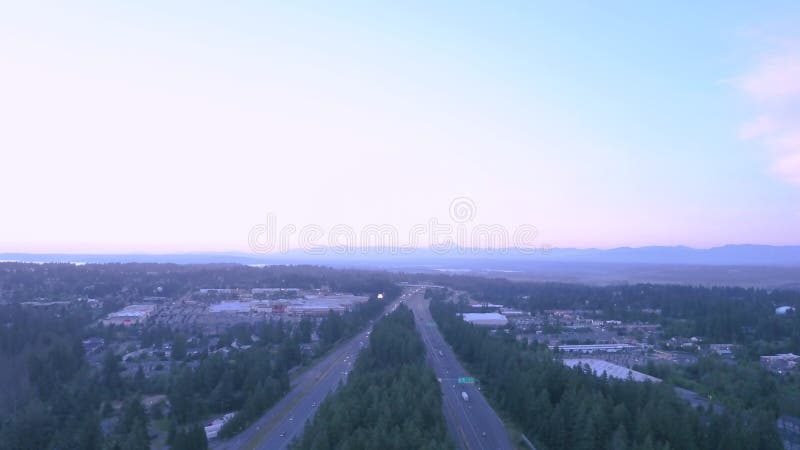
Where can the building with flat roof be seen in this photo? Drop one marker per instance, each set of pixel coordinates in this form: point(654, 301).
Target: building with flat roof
point(212, 428)
point(230, 307)
point(130, 315)
point(218, 291)
point(314, 309)
point(780, 363)
point(592, 348)
point(513, 312)
point(274, 290)
point(486, 319)
point(600, 367)
point(485, 305)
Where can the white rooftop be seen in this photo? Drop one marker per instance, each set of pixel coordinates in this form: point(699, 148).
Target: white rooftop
point(591, 347)
point(230, 307)
point(599, 367)
point(485, 318)
point(785, 356)
point(133, 311)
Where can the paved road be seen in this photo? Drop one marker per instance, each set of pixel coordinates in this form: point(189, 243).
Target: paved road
point(473, 424)
point(286, 420)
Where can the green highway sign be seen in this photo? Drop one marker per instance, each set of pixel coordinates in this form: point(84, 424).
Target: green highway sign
point(466, 380)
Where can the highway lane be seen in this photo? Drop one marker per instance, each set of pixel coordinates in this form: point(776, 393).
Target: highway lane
point(286, 419)
point(472, 423)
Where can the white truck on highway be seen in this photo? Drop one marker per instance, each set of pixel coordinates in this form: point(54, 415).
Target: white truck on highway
point(464, 396)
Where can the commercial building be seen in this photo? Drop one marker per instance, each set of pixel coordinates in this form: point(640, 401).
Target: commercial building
point(592, 348)
point(287, 291)
point(314, 309)
point(600, 367)
point(513, 312)
point(230, 307)
point(45, 304)
point(218, 291)
point(780, 363)
point(212, 428)
point(312, 305)
point(485, 305)
point(130, 315)
point(486, 319)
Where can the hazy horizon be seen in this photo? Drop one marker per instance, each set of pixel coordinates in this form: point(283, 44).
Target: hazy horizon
point(248, 252)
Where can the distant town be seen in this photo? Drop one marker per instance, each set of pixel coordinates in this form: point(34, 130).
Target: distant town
point(268, 342)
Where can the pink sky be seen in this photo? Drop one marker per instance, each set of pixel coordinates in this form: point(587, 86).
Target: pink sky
point(158, 129)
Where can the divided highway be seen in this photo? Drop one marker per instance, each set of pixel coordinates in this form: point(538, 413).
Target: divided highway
point(472, 422)
point(283, 422)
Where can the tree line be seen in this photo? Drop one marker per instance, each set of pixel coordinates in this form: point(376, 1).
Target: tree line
point(565, 408)
point(23, 282)
point(49, 397)
point(54, 399)
point(719, 314)
point(391, 400)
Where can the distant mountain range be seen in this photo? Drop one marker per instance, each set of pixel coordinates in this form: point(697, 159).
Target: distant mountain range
point(739, 255)
point(729, 255)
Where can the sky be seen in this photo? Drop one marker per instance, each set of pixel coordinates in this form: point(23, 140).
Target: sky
point(184, 126)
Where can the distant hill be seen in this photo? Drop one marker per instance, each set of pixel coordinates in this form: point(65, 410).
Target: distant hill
point(733, 255)
point(729, 255)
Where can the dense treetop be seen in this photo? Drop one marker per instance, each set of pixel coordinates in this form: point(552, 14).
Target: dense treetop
point(391, 400)
point(563, 408)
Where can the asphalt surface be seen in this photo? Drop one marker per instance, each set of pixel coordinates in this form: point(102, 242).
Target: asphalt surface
point(472, 423)
point(283, 422)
